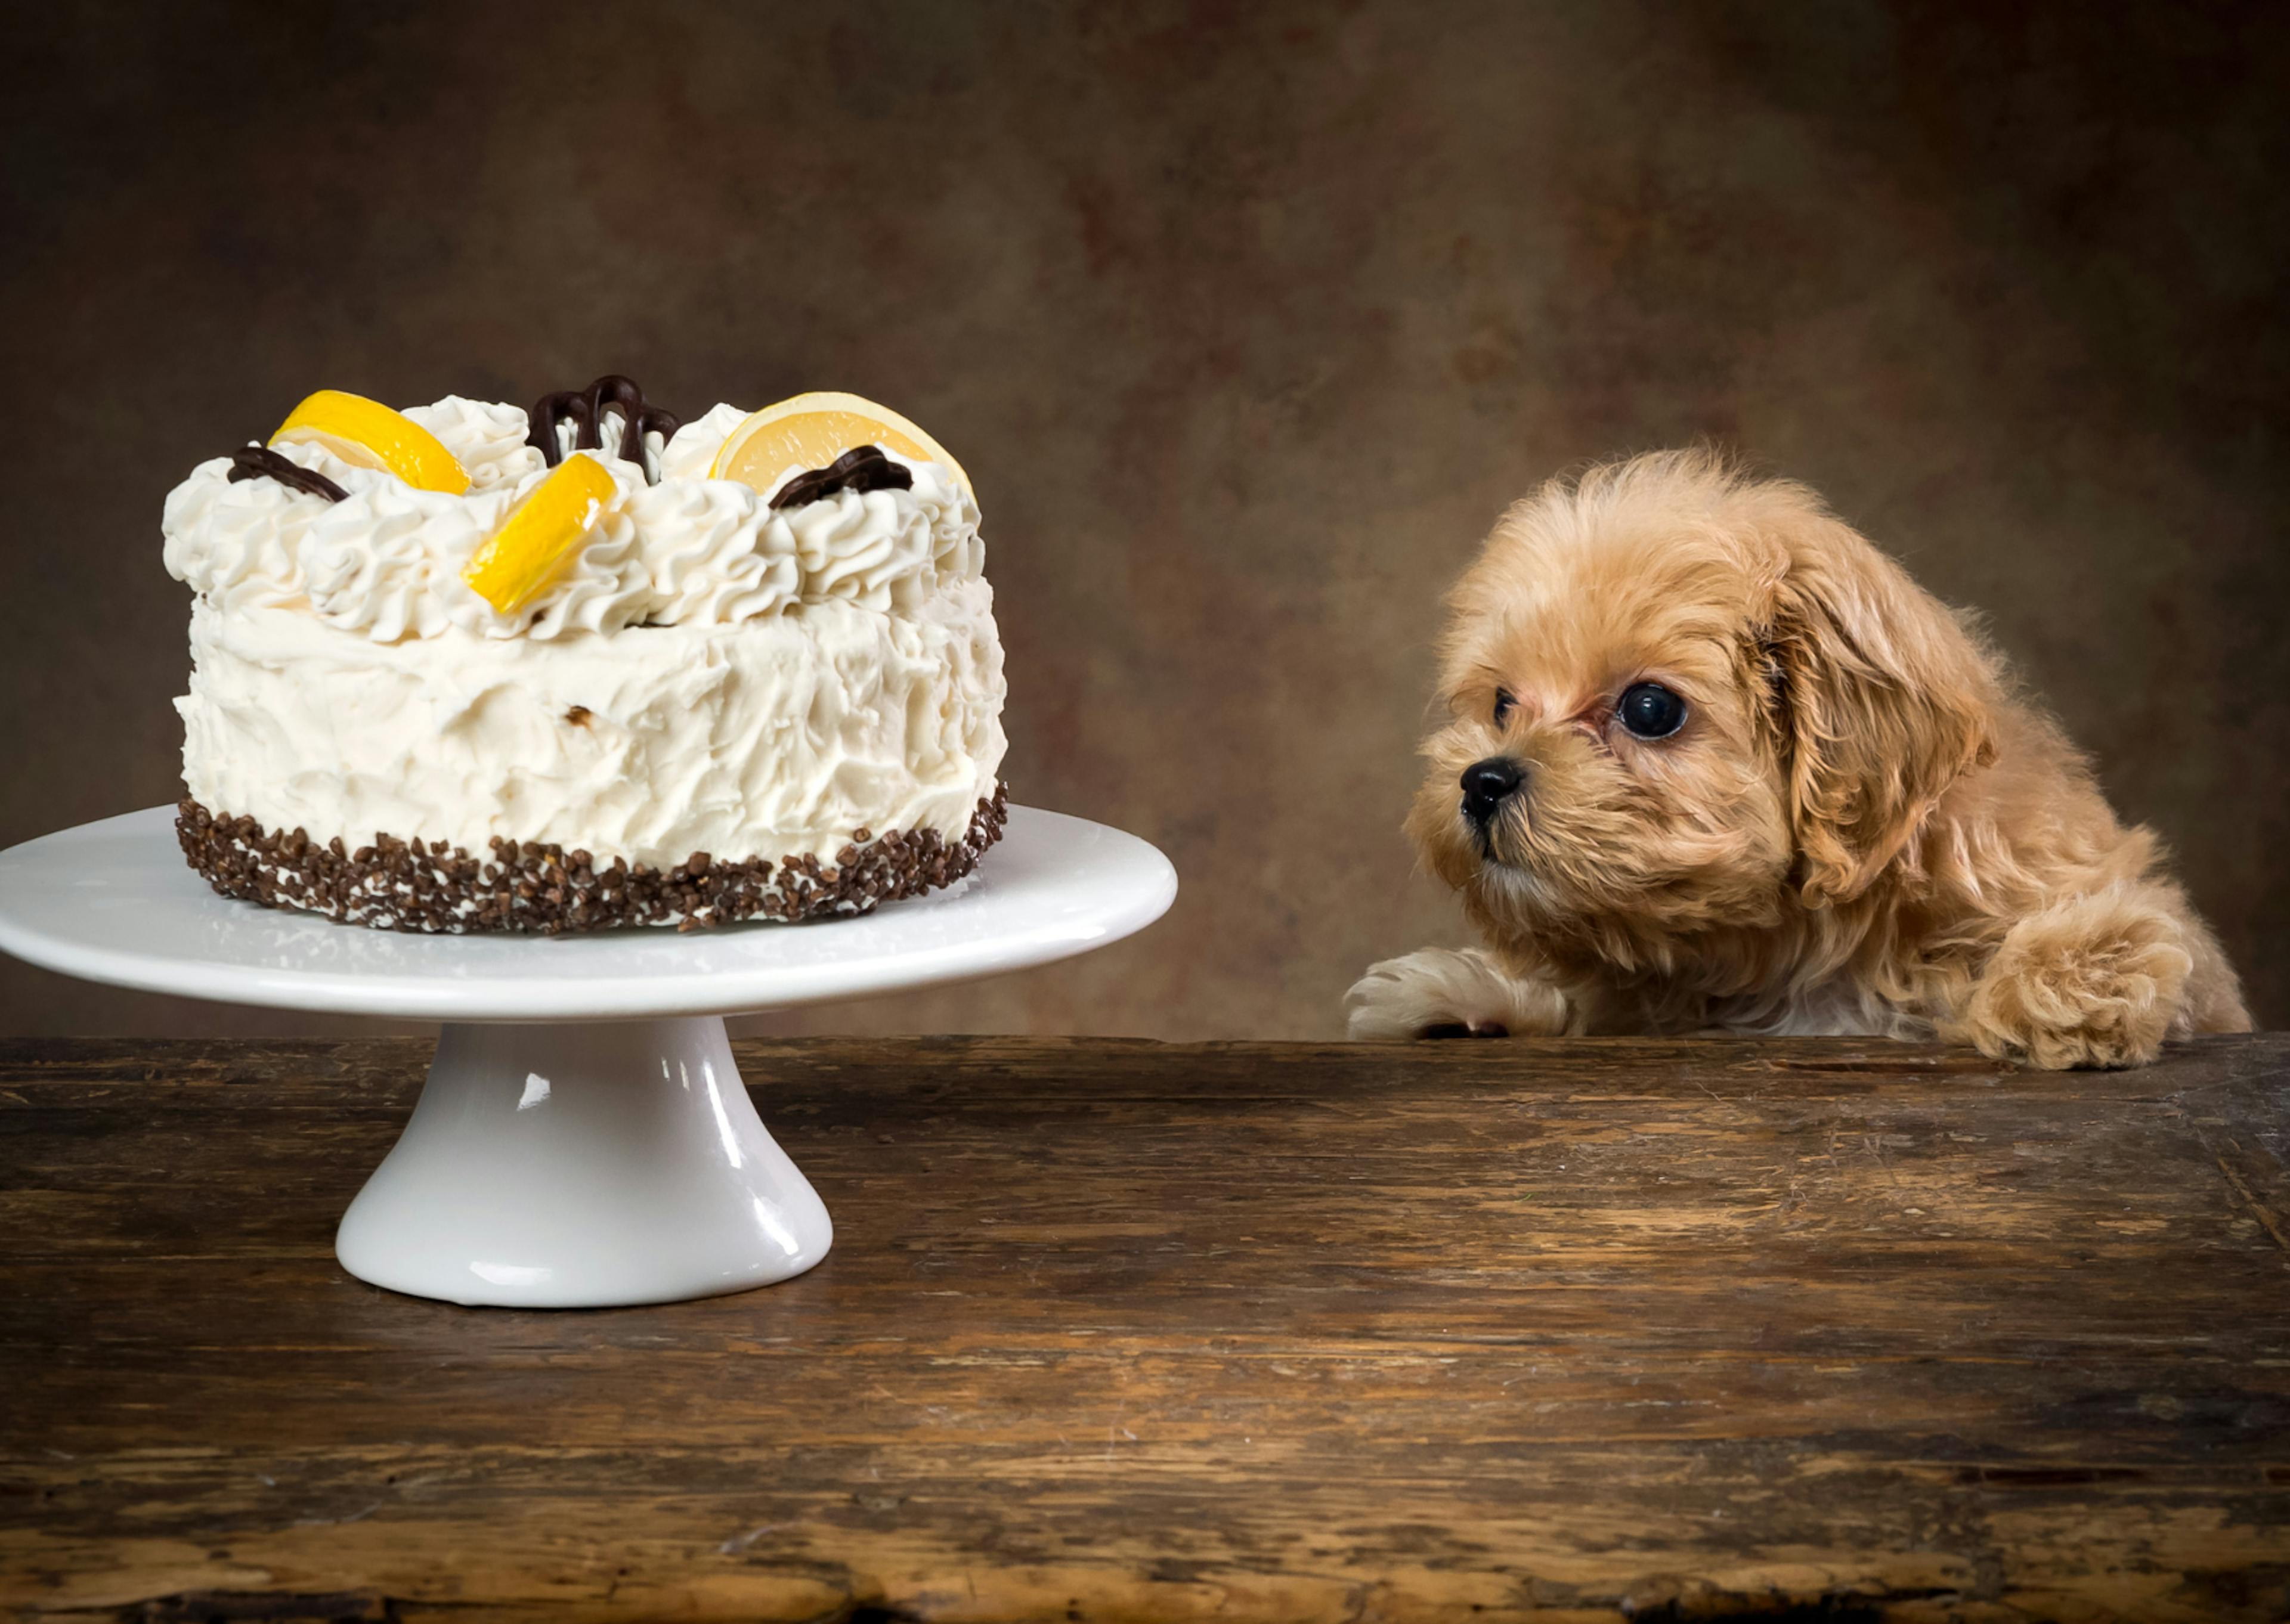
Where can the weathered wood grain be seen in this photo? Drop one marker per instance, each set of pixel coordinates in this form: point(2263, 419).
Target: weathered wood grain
point(1119, 1331)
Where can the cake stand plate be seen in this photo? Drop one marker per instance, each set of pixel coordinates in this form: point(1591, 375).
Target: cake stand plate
point(583, 1139)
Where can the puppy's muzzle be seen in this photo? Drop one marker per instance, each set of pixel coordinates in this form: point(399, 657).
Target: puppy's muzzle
point(1487, 785)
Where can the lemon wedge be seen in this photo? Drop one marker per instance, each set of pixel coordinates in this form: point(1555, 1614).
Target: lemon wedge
point(810, 431)
point(368, 434)
point(540, 533)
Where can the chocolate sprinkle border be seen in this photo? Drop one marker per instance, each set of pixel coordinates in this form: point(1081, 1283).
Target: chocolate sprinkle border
point(529, 888)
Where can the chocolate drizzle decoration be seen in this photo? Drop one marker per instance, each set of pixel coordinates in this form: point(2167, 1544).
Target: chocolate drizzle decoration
point(260, 462)
point(585, 409)
point(863, 468)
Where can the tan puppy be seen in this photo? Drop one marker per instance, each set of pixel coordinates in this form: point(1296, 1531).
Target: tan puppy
point(1713, 761)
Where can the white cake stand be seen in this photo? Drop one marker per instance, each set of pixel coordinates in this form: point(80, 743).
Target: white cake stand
point(583, 1139)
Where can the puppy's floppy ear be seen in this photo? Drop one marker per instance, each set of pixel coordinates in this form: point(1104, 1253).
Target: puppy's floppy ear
point(1883, 699)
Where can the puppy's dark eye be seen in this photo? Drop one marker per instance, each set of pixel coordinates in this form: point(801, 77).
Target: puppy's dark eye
point(1650, 711)
point(1503, 702)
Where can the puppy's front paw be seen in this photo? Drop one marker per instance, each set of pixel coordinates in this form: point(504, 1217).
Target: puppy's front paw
point(1444, 993)
point(2099, 981)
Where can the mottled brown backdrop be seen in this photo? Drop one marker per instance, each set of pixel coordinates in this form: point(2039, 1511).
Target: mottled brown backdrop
point(1246, 319)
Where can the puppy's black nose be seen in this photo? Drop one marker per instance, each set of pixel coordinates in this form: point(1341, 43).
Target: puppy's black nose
point(1488, 784)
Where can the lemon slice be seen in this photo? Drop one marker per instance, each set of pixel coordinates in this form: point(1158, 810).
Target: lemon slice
point(365, 433)
point(810, 431)
point(540, 534)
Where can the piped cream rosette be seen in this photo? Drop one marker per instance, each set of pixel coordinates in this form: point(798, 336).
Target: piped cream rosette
point(595, 544)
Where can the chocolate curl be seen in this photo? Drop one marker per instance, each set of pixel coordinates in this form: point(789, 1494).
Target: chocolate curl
point(260, 462)
point(863, 468)
point(585, 410)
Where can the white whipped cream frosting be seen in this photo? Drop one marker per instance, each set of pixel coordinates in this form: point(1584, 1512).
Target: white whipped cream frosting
point(771, 736)
point(704, 675)
point(387, 561)
point(488, 437)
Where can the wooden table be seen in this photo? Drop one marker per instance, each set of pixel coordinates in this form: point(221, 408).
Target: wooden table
point(1117, 1330)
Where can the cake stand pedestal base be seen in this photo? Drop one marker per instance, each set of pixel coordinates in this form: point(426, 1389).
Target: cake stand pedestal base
point(610, 1157)
point(573, 1166)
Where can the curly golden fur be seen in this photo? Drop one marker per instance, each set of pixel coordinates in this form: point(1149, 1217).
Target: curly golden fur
point(1860, 828)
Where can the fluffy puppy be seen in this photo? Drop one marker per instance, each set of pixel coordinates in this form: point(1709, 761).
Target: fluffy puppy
point(1712, 761)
